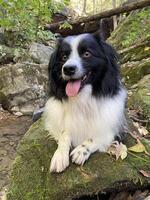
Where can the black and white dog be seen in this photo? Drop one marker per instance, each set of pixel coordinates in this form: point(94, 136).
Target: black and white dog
point(85, 109)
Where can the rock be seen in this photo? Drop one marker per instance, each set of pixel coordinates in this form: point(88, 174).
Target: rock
point(32, 180)
point(40, 53)
point(134, 71)
point(136, 52)
point(6, 54)
point(141, 98)
point(23, 87)
point(133, 31)
point(14, 55)
point(37, 114)
point(2, 38)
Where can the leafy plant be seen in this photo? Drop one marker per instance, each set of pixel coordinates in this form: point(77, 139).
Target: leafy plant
point(138, 28)
point(65, 25)
point(28, 17)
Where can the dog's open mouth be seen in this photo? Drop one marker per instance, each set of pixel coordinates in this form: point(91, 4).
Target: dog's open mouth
point(74, 86)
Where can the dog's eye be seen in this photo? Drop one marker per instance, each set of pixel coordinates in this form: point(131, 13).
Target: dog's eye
point(87, 54)
point(64, 58)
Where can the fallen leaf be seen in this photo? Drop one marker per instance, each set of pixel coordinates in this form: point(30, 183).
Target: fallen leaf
point(118, 150)
point(143, 131)
point(139, 147)
point(144, 173)
point(147, 49)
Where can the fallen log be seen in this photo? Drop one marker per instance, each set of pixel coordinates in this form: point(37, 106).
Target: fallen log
point(91, 23)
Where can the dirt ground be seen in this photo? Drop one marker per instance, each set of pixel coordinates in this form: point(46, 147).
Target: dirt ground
point(12, 128)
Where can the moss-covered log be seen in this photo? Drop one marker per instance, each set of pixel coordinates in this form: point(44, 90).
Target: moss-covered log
point(31, 178)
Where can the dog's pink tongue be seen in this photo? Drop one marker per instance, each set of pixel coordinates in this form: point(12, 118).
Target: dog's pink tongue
point(72, 88)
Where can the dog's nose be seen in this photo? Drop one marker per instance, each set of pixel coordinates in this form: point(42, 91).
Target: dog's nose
point(69, 70)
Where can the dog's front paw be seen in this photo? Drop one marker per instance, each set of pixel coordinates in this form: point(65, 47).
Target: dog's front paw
point(60, 161)
point(80, 154)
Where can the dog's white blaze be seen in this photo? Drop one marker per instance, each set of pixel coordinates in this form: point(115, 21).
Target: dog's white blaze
point(74, 58)
point(85, 117)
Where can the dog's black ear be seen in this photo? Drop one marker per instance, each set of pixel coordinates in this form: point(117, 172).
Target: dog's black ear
point(53, 63)
point(97, 36)
point(54, 56)
point(110, 81)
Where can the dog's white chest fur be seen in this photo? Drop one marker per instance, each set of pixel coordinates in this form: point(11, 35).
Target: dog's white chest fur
point(86, 117)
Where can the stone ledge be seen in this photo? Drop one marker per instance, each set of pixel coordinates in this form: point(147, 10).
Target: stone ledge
point(31, 178)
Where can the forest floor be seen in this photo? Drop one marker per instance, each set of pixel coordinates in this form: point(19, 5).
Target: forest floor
point(12, 129)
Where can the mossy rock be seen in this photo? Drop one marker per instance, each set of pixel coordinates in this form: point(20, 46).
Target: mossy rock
point(135, 53)
point(9, 54)
point(133, 30)
point(141, 98)
point(32, 180)
point(134, 71)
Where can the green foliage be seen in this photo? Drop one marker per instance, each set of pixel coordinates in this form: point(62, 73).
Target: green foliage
point(28, 17)
point(133, 30)
point(138, 28)
point(65, 25)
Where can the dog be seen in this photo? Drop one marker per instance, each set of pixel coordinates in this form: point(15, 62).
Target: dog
point(85, 109)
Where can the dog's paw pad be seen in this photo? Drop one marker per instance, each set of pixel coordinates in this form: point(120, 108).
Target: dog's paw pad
point(59, 162)
point(80, 154)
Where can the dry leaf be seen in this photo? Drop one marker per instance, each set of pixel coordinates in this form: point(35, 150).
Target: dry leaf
point(136, 124)
point(139, 147)
point(147, 49)
point(123, 151)
point(144, 173)
point(142, 130)
point(118, 149)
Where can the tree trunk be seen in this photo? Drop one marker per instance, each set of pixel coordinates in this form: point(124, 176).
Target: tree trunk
point(115, 16)
point(84, 7)
point(94, 7)
point(83, 24)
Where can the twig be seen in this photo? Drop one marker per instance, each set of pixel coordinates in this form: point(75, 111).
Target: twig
point(135, 135)
point(137, 119)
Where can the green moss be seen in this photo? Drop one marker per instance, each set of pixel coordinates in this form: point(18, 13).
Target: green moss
point(137, 53)
point(31, 178)
point(133, 72)
point(9, 54)
point(141, 98)
point(133, 30)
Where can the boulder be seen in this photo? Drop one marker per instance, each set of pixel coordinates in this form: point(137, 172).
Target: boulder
point(133, 71)
point(136, 52)
point(23, 87)
point(13, 55)
point(133, 31)
point(141, 97)
point(32, 180)
point(40, 53)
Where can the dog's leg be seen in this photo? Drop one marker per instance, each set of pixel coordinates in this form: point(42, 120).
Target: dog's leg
point(60, 159)
point(82, 152)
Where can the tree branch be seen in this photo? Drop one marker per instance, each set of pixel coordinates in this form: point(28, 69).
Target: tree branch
point(82, 25)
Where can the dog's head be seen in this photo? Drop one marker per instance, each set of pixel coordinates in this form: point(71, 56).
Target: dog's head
point(80, 60)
